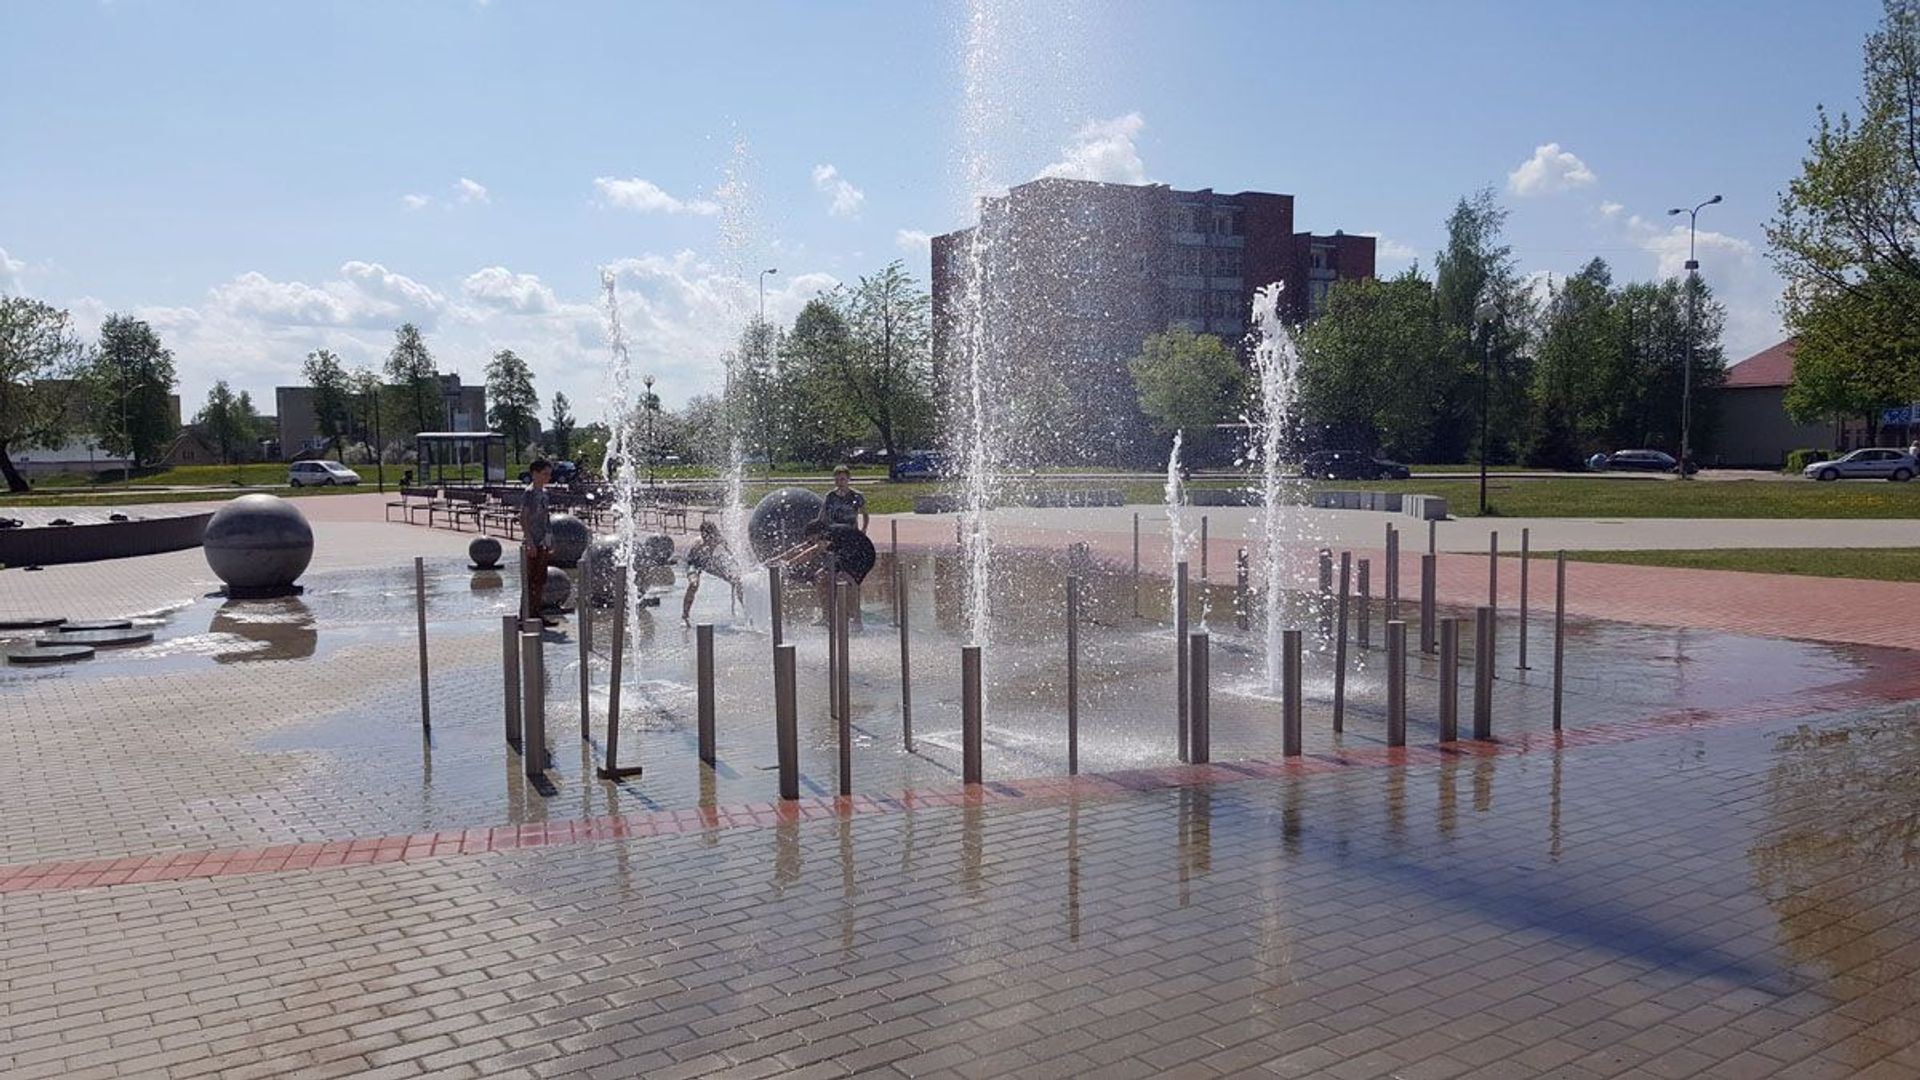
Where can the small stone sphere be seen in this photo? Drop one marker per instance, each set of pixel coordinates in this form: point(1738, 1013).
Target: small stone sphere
point(258, 543)
point(779, 521)
point(651, 552)
point(558, 591)
point(569, 537)
point(484, 552)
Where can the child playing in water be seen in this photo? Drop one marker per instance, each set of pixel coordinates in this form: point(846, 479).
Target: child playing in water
point(710, 556)
point(852, 557)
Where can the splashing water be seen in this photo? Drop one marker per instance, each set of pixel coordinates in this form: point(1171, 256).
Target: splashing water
point(1178, 535)
point(1276, 363)
point(738, 242)
point(619, 465)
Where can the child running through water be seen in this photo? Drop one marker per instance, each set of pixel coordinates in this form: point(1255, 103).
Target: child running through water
point(848, 551)
point(709, 556)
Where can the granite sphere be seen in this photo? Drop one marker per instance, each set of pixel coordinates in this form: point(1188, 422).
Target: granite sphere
point(779, 521)
point(569, 537)
point(484, 552)
point(258, 544)
point(652, 552)
point(558, 591)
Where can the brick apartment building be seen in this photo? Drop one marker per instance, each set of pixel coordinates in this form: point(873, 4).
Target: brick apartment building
point(465, 408)
point(1078, 273)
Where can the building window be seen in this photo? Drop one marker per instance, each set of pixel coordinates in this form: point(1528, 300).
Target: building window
point(1321, 260)
point(1227, 263)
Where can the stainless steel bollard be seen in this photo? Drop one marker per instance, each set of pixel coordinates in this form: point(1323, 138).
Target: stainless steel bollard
point(1290, 693)
point(832, 601)
point(703, 683)
point(1449, 680)
point(1180, 670)
point(583, 635)
point(533, 705)
point(1433, 537)
point(510, 675)
point(1326, 592)
point(1559, 633)
point(906, 663)
point(1364, 623)
point(420, 608)
point(1340, 643)
point(1483, 673)
point(1242, 600)
point(1526, 547)
point(776, 607)
point(1396, 683)
point(1136, 565)
point(1493, 590)
point(1200, 703)
point(1073, 675)
point(1393, 573)
point(843, 682)
point(611, 769)
point(970, 721)
point(1429, 587)
point(1203, 547)
point(786, 721)
point(893, 552)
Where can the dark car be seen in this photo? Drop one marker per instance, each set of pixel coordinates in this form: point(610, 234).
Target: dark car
point(1351, 465)
point(564, 474)
point(919, 465)
point(1646, 461)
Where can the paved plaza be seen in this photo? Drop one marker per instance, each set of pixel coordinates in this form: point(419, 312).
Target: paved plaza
point(231, 852)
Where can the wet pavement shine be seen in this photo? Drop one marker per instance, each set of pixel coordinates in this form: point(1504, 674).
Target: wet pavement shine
point(231, 852)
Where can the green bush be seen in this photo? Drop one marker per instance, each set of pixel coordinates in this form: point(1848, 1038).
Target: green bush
point(1800, 459)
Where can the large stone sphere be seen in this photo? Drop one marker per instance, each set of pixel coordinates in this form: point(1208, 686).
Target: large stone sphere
point(258, 545)
point(652, 553)
point(569, 537)
point(484, 552)
point(558, 591)
point(780, 520)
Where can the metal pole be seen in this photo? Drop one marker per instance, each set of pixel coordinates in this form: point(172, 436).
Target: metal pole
point(583, 634)
point(786, 721)
point(510, 675)
point(611, 769)
point(1181, 672)
point(420, 611)
point(1393, 573)
point(1203, 547)
point(1199, 704)
point(1326, 592)
point(1433, 537)
point(1559, 632)
point(1340, 643)
point(893, 552)
point(1526, 548)
point(1483, 673)
point(970, 714)
point(1363, 625)
point(1429, 586)
point(1290, 693)
point(1450, 680)
point(1136, 564)
point(832, 600)
point(703, 681)
point(906, 664)
point(776, 609)
point(1493, 590)
point(1073, 675)
point(1242, 613)
point(1397, 683)
point(533, 708)
point(842, 685)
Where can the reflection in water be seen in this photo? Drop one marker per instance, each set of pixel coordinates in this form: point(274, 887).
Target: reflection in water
point(1397, 806)
point(1448, 779)
point(786, 853)
point(1553, 820)
point(280, 629)
point(972, 847)
point(1073, 869)
point(1483, 785)
point(1196, 835)
point(849, 904)
point(486, 581)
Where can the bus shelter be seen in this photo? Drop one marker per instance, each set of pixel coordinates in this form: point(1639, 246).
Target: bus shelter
point(460, 458)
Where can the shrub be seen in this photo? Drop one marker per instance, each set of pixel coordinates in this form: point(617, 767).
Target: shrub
point(1800, 459)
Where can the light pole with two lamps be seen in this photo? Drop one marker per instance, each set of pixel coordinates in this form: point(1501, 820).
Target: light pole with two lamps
point(1483, 317)
point(646, 403)
point(1686, 374)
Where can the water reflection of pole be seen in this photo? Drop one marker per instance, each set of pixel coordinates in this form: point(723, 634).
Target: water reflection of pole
point(1073, 869)
point(1448, 780)
point(1553, 818)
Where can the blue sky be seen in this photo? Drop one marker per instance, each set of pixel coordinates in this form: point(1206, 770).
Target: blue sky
point(262, 179)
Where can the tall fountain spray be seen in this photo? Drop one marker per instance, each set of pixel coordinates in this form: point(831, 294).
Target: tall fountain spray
point(1176, 496)
point(738, 246)
point(621, 465)
point(1276, 363)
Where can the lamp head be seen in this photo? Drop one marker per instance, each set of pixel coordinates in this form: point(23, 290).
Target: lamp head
point(1713, 200)
point(773, 270)
point(1485, 313)
point(1675, 210)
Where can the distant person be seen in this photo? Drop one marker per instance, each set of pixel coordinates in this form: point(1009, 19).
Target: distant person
point(536, 546)
point(850, 554)
point(1913, 449)
point(710, 555)
point(843, 505)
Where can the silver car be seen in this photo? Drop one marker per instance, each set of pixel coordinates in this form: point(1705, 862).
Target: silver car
point(1866, 463)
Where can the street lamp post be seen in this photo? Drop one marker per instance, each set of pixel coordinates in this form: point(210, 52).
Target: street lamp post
point(763, 291)
point(1686, 374)
point(647, 404)
point(1483, 317)
point(759, 344)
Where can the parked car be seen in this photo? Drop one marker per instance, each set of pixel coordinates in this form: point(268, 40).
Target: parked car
point(1645, 461)
point(1350, 465)
point(320, 474)
point(564, 473)
point(919, 465)
point(1866, 463)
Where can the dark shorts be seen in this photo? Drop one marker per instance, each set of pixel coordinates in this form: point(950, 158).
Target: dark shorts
point(852, 553)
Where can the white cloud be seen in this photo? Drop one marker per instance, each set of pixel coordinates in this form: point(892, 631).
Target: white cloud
point(913, 241)
point(646, 197)
point(1735, 269)
point(1103, 150)
point(366, 295)
point(471, 191)
point(416, 202)
point(1550, 169)
point(846, 198)
point(1393, 251)
point(1610, 209)
point(503, 290)
point(10, 271)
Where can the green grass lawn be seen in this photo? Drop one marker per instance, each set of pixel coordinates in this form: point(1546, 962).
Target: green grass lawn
point(1599, 497)
point(1868, 564)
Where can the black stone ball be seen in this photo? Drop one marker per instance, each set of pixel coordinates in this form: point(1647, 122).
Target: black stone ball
point(780, 520)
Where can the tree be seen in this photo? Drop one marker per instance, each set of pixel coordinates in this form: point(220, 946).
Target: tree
point(886, 369)
point(1582, 383)
point(1188, 381)
point(410, 371)
point(128, 387)
point(515, 411)
point(1369, 362)
point(365, 383)
point(816, 420)
point(1846, 237)
point(332, 397)
point(1474, 267)
point(229, 420)
point(562, 421)
point(39, 356)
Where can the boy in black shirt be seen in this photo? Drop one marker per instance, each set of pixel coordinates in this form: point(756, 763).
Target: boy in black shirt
point(852, 557)
point(843, 505)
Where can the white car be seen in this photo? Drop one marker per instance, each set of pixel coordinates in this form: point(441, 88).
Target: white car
point(1866, 463)
point(320, 474)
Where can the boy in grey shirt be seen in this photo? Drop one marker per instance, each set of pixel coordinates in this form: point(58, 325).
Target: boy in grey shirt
point(536, 549)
